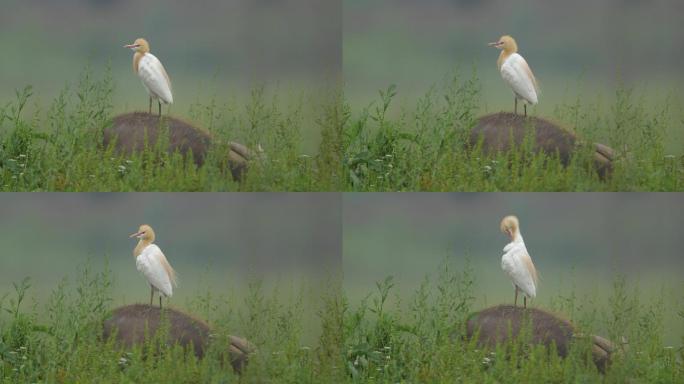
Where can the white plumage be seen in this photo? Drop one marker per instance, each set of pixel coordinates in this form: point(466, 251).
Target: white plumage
point(152, 73)
point(517, 74)
point(515, 262)
point(154, 78)
point(151, 262)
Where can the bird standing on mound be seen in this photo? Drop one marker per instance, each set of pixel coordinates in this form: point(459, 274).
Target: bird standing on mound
point(152, 73)
point(150, 260)
point(516, 262)
point(516, 72)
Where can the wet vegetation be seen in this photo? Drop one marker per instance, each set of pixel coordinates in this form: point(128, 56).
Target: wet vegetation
point(439, 144)
point(426, 336)
point(443, 144)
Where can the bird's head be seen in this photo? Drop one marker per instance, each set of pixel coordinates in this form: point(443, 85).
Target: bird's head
point(509, 226)
point(140, 45)
point(145, 232)
point(505, 43)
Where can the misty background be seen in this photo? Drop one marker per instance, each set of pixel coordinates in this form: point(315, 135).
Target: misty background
point(579, 242)
point(218, 242)
point(577, 49)
point(220, 51)
point(213, 48)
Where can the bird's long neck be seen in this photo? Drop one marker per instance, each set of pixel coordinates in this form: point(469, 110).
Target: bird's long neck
point(505, 53)
point(517, 237)
point(136, 60)
point(142, 244)
point(502, 57)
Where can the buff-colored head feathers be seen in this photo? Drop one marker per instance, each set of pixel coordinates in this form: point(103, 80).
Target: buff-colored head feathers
point(510, 226)
point(145, 232)
point(505, 43)
point(140, 45)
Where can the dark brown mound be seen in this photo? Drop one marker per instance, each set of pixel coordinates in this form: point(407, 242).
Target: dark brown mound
point(130, 129)
point(497, 129)
point(131, 321)
point(546, 328)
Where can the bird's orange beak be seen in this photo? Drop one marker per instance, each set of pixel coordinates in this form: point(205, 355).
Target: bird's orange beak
point(131, 46)
point(135, 234)
point(495, 44)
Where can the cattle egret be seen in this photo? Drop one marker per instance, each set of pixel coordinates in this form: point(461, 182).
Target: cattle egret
point(152, 73)
point(516, 262)
point(150, 260)
point(516, 72)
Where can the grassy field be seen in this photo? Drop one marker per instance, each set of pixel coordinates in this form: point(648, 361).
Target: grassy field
point(317, 142)
point(60, 148)
point(424, 146)
point(381, 338)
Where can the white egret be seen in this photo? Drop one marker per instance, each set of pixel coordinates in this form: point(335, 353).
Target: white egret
point(152, 73)
point(516, 262)
point(516, 72)
point(150, 260)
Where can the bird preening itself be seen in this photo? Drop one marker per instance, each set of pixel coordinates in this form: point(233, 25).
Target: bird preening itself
point(516, 262)
point(150, 260)
point(152, 73)
point(515, 71)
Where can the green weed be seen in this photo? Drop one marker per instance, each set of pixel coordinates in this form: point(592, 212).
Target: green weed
point(381, 147)
point(382, 338)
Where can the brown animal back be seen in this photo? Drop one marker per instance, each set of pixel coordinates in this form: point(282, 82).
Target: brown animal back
point(500, 131)
point(493, 325)
point(498, 128)
point(131, 322)
point(130, 129)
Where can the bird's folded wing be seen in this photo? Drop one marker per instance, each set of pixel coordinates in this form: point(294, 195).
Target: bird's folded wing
point(155, 78)
point(516, 263)
point(518, 75)
point(150, 264)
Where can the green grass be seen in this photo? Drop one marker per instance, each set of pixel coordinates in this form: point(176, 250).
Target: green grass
point(421, 147)
point(382, 338)
point(425, 147)
point(60, 149)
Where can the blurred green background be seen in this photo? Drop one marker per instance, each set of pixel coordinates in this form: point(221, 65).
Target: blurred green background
point(221, 48)
point(575, 48)
point(217, 242)
point(579, 242)
point(224, 49)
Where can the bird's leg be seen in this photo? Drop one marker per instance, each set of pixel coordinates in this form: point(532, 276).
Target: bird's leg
point(515, 302)
point(525, 301)
point(525, 106)
point(159, 301)
point(151, 295)
point(159, 108)
point(516, 105)
point(149, 111)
